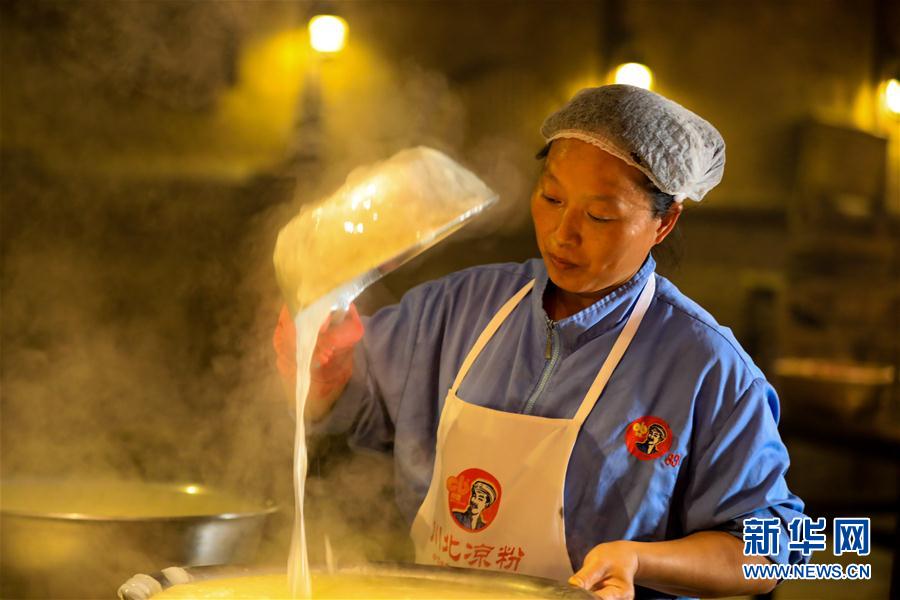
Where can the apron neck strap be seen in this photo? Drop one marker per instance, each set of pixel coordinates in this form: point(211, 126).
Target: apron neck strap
point(488, 333)
point(618, 350)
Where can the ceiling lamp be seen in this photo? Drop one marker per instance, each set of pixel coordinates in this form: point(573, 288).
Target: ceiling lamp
point(634, 74)
point(327, 33)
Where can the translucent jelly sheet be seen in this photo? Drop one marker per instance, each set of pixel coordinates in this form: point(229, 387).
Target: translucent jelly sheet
point(382, 216)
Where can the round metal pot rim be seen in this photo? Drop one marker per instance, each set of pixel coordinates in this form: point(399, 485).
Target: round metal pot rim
point(553, 588)
point(157, 519)
point(264, 507)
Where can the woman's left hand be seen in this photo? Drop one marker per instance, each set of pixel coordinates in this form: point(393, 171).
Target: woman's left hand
point(705, 563)
point(608, 571)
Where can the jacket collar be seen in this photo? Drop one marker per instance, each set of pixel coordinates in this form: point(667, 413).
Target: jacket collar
point(595, 320)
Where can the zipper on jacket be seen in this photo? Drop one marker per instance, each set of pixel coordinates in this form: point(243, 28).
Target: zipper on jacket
point(551, 354)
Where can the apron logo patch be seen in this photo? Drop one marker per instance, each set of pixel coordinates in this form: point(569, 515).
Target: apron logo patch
point(473, 498)
point(648, 437)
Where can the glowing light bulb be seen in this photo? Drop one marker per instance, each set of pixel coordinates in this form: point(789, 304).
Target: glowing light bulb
point(634, 74)
point(359, 228)
point(192, 489)
point(327, 33)
point(348, 226)
point(892, 96)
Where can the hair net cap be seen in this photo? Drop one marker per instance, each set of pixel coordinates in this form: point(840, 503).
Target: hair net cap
point(681, 153)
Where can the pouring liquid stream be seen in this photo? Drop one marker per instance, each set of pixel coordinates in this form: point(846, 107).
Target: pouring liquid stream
point(307, 323)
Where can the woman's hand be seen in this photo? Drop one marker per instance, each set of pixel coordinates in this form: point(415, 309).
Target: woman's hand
point(332, 361)
point(608, 571)
point(706, 564)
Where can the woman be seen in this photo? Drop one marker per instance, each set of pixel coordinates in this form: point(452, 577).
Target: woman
point(627, 433)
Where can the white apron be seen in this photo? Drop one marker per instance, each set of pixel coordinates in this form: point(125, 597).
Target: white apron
point(496, 496)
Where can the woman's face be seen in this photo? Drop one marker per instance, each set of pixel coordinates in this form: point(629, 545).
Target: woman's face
point(593, 218)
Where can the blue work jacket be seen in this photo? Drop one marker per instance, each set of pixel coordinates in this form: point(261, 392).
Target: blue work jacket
point(725, 461)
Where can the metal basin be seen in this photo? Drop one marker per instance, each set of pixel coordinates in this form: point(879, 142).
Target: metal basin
point(81, 539)
point(375, 581)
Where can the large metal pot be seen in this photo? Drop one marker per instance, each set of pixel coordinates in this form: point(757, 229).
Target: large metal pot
point(82, 539)
point(374, 581)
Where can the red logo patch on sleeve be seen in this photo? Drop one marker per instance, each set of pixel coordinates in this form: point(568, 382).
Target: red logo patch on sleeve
point(648, 437)
point(474, 499)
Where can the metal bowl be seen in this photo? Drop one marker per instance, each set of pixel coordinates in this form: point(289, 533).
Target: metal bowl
point(82, 539)
point(377, 580)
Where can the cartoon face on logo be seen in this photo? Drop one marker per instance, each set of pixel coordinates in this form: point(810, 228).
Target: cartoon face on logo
point(473, 499)
point(648, 437)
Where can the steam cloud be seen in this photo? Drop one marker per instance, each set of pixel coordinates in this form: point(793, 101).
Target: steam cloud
point(137, 312)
